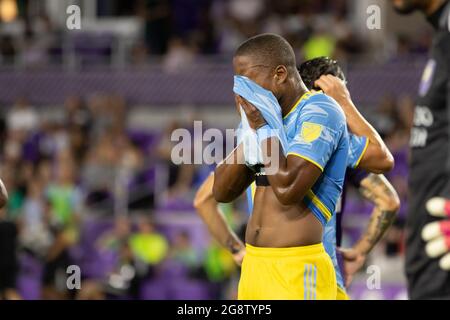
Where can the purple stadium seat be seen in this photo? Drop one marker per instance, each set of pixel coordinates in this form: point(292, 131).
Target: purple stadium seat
point(29, 279)
point(29, 287)
point(176, 205)
point(145, 139)
point(186, 289)
point(154, 290)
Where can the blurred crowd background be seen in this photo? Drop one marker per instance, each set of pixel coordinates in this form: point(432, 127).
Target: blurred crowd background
point(85, 123)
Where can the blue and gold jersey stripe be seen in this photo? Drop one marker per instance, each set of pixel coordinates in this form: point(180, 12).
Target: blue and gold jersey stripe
point(306, 158)
point(319, 209)
point(305, 96)
point(362, 154)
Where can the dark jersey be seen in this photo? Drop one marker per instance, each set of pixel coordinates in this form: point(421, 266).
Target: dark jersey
point(8, 258)
point(352, 177)
point(430, 162)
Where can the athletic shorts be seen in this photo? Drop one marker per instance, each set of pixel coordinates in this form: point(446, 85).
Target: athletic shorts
point(296, 273)
point(341, 294)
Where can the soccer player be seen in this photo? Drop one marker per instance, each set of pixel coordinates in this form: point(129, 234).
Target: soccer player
point(285, 257)
point(430, 152)
point(365, 152)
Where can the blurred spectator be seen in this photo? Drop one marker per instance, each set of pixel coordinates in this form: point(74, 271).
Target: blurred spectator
point(179, 56)
point(205, 27)
point(148, 249)
point(183, 251)
point(16, 189)
point(40, 36)
point(386, 115)
point(219, 266)
point(99, 172)
point(246, 11)
point(320, 44)
point(114, 239)
point(78, 121)
point(22, 117)
point(53, 139)
point(147, 245)
point(156, 14)
point(55, 265)
point(63, 194)
point(139, 53)
point(180, 177)
point(7, 50)
point(64, 209)
point(35, 233)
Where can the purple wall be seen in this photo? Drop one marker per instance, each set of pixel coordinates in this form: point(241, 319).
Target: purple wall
point(198, 84)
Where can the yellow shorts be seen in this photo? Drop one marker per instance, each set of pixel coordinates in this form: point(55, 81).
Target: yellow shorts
point(297, 273)
point(341, 294)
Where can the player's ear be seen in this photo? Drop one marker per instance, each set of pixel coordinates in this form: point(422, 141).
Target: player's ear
point(281, 74)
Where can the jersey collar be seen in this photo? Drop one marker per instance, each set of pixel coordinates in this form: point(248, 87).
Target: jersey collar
point(304, 97)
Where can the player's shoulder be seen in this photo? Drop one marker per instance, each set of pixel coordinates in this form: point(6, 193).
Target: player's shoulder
point(321, 105)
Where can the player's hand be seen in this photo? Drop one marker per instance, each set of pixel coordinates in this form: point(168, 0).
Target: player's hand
point(254, 116)
point(437, 233)
point(239, 256)
point(333, 87)
point(237, 105)
point(353, 262)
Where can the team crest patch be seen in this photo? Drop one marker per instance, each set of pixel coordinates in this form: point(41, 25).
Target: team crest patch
point(310, 131)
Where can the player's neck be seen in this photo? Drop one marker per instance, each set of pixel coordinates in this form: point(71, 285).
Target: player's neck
point(289, 100)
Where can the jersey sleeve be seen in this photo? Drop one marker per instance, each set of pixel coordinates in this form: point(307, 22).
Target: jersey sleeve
point(357, 148)
point(318, 132)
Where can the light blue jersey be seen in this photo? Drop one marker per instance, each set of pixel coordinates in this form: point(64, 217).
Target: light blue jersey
point(358, 146)
point(316, 131)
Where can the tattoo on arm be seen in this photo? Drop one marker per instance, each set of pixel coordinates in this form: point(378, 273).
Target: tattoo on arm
point(378, 190)
point(378, 224)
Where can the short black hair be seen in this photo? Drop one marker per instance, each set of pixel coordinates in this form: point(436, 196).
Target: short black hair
point(268, 48)
point(313, 69)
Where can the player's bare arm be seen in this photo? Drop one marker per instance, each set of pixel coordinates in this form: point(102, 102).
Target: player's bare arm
point(208, 210)
point(232, 176)
point(377, 158)
point(293, 176)
point(377, 189)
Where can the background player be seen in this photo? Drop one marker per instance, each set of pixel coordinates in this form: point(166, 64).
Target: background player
point(325, 73)
point(430, 152)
